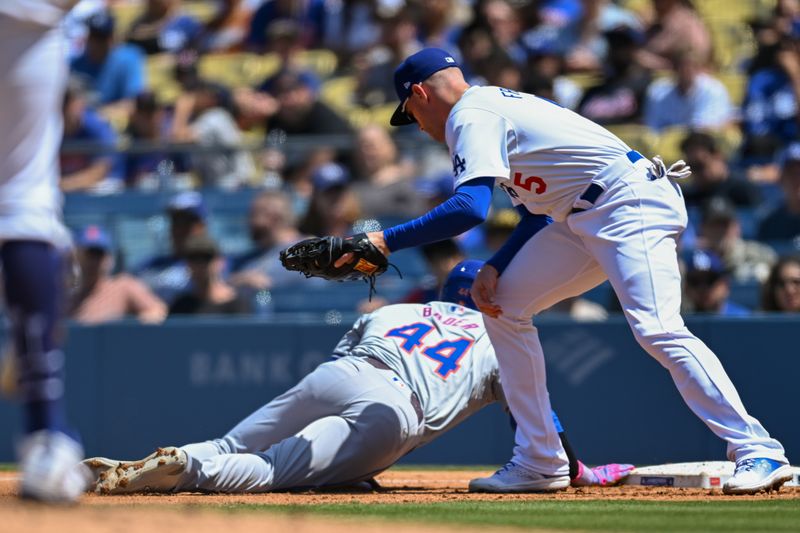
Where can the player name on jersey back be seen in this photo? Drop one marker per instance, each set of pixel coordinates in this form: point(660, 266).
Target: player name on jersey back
point(543, 155)
point(455, 316)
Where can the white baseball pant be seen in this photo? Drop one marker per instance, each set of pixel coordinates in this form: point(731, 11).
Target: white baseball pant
point(630, 238)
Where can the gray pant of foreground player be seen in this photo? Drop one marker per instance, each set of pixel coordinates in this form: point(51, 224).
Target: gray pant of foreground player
point(343, 423)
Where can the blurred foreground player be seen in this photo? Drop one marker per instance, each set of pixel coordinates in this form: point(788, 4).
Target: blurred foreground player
point(400, 377)
point(32, 78)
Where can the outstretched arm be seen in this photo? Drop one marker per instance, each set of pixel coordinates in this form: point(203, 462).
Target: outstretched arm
point(466, 209)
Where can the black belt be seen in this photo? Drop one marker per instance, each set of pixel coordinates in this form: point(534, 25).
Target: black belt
point(377, 363)
point(594, 190)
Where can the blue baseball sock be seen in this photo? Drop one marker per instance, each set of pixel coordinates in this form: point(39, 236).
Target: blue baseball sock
point(34, 286)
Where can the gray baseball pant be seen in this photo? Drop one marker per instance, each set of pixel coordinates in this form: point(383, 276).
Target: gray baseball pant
point(343, 423)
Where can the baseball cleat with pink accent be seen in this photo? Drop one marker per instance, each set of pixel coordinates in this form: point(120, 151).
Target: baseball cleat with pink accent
point(601, 476)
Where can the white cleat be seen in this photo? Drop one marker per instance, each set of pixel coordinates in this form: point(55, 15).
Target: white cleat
point(756, 475)
point(515, 478)
point(99, 466)
point(158, 472)
point(51, 468)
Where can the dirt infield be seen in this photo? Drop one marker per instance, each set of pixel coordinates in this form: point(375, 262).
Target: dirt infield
point(410, 486)
point(183, 512)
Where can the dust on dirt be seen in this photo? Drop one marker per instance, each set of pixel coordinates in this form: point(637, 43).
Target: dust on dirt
point(175, 512)
point(412, 486)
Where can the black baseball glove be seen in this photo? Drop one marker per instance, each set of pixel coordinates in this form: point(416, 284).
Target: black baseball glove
point(316, 257)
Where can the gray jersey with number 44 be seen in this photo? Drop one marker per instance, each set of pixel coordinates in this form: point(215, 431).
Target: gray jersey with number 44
point(440, 350)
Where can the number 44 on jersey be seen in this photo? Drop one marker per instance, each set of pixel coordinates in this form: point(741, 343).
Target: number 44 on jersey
point(446, 353)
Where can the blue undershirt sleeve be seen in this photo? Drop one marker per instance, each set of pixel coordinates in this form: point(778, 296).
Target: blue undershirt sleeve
point(466, 209)
point(527, 227)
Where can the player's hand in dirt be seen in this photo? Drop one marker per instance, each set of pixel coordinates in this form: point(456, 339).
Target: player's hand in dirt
point(483, 291)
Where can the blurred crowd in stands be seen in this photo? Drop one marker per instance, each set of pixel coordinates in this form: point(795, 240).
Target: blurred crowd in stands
point(286, 102)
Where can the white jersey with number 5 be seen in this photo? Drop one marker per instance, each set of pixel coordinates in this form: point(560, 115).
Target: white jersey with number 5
point(543, 155)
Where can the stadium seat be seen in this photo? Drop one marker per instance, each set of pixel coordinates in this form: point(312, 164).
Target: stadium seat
point(322, 62)
point(584, 80)
point(255, 68)
point(668, 144)
point(221, 68)
point(636, 136)
point(729, 139)
point(637, 6)
point(381, 114)
point(338, 92)
point(735, 83)
point(202, 10)
point(238, 69)
point(733, 44)
point(725, 10)
point(358, 117)
point(246, 69)
point(125, 13)
point(160, 79)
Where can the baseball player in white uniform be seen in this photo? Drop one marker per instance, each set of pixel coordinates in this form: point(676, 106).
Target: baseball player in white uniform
point(401, 376)
point(33, 74)
point(615, 215)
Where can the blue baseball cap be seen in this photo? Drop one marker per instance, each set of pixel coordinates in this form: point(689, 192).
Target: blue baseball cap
point(415, 69)
point(456, 288)
point(330, 175)
point(706, 261)
point(101, 24)
point(190, 202)
point(95, 236)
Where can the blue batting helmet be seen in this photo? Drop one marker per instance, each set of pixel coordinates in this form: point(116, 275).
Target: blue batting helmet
point(457, 287)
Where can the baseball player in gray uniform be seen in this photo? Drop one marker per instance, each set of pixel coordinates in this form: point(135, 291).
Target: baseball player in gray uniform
point(401, 376)
point(33, 73)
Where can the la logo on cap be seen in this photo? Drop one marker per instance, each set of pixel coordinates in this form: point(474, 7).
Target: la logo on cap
point(407, 84)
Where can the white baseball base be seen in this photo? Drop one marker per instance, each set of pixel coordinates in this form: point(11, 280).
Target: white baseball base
point(705, 475)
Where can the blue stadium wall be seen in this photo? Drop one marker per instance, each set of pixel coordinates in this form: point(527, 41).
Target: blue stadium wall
point(132, 388)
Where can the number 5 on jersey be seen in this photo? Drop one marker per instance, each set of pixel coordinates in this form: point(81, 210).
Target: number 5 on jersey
point(447, 353)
